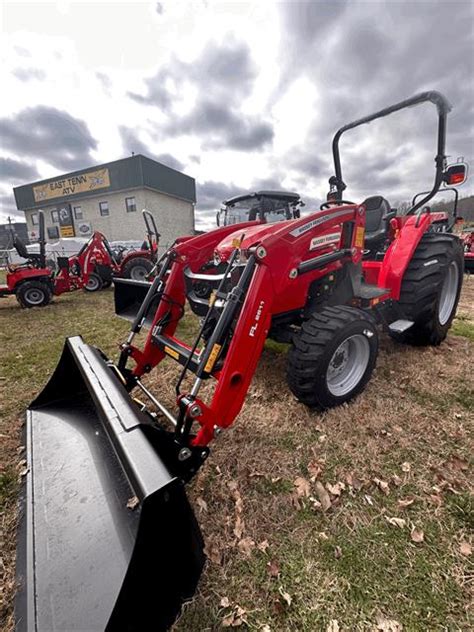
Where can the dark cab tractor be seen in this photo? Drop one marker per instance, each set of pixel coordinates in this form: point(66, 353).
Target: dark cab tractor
point(263, 206)
point(100, 441)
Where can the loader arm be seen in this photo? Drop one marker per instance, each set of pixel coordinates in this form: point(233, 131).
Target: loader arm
point(273, 272)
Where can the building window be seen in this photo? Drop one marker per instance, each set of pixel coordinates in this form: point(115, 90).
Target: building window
point(53, 232)
point(55, 216)
point(34, 219)
point(104, 208)
point(130, 204)
point(78, 212)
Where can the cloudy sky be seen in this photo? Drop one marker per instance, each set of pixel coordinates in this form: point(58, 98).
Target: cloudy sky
point(238, 95)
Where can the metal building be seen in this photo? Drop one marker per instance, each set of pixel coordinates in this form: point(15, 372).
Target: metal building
point(109, 198)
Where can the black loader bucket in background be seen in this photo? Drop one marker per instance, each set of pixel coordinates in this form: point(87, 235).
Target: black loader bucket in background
point(86, 560)
point(129, 299)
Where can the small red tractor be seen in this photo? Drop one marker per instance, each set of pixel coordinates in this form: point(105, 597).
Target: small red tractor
point(325, 283)
point(34, 283)
point(138, 264)
point(468, 245)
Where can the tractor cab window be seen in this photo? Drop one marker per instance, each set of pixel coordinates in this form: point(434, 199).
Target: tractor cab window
point(250, 209)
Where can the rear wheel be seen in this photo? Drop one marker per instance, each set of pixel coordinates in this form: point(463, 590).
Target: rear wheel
point(94, 283)
point(33, 294)
point(332, 357)
point(137, 269)
point(430, 289)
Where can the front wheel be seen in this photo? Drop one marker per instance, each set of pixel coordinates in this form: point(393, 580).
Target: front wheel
point(332, 356)
point(33, 294)
point(94, 283)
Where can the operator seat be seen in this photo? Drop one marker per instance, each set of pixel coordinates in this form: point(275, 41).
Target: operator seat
point(22, 250)
point(378, 216)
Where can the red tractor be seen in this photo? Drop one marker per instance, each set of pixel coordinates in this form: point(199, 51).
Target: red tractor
point(468, 245)
point(326, 283)
point(138, 264)
point(35, 282)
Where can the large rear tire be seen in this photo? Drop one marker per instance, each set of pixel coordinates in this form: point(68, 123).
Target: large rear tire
point(137, 269)
point(430, 289)
point(332, 357)
point(33, 294)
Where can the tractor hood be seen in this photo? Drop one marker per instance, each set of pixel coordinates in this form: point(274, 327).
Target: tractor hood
point(252, 236)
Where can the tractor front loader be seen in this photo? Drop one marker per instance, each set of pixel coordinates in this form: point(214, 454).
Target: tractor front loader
point(109, 540)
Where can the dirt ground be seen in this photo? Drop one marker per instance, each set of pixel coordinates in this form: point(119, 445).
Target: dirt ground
point(359, 518)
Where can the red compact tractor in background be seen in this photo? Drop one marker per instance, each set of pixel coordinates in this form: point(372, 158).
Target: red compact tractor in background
point(327, 284)
point(137, 264)
point(468, 245)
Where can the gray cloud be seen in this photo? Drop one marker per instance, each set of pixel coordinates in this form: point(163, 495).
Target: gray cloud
point(219, 126)
point(362, 56)
point(170, 161)
point(211, 194)
point(224, 76)
point(12, 170)
point(50, 134)
point(8, 206)
point(27, 74)
point(131, 142)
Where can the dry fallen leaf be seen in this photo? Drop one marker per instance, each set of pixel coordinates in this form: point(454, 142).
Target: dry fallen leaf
point(405, 502)
point(396, 480)
point(239, 527)
point(323, 535)
point(286, 596)
point(337, 489)
point(225, 603)
point(314, 469)
point(273, 568)
point(201, 503)
point(132, 502)
point(235, 618)
point(302, 487)
point(322, 495)
point(387, 625)
point(263, 546)
point(417, 535)
point(266, 628)
point(333, 626)
point(338, 552)
point(368, 499)
point(406, 467)
point(396, 522)
point(382, 485)
point(213, 553)
point(246, 546)
point(465, 548)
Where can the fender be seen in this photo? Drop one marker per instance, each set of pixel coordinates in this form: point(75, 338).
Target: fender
point(400, 252)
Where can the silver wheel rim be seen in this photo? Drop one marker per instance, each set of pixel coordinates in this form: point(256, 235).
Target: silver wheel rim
point(138, 273)
point(448, 294)
point(35, 296)
point(92, 284)
point(348, 365)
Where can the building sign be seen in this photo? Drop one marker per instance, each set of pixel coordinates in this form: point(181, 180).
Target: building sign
point(66, 224)
point(84, 229)
point(71, 186)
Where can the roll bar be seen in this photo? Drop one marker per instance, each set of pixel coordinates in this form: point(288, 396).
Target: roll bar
point(337, 185)
point(152, 233)
point(456, 197)
point(42, 239)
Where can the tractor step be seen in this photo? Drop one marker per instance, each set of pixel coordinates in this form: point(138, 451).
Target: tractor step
point(400, 326)
point(177, 350)
point(368, 292)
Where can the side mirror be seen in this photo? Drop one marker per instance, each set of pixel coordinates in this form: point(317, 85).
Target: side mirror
point(455, 174)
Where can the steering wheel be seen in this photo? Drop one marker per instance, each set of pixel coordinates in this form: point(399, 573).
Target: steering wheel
point(326, 205)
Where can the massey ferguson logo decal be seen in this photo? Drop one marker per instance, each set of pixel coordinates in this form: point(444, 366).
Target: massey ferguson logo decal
point(316, 222)
point(318, 242)
point(253, 328)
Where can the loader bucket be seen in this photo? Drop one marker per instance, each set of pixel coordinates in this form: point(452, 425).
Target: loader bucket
point(88, 560)
point(129, 297)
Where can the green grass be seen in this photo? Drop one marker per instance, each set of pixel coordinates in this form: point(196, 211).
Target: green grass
point(462, 328)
